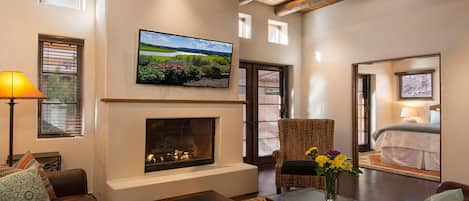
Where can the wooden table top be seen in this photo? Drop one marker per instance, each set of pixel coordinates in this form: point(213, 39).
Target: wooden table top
point(308, 194)
point(202, 196)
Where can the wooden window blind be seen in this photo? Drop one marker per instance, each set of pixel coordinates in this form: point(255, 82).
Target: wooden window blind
point(60, 66)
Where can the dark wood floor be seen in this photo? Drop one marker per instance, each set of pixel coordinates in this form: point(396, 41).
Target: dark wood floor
point(372, 185)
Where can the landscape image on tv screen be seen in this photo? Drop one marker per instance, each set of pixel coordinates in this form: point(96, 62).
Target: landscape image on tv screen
point(177, 60)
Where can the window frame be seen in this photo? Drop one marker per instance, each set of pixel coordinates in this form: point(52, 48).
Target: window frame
point(282, 30)
point(247, 24)
point(80, 6)
point(80, 52)
point(401, 75)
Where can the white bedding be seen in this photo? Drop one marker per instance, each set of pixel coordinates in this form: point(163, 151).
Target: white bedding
point(412, 149)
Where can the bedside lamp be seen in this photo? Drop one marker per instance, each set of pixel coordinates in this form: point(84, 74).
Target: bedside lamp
point(408, 113)
point(15, 85)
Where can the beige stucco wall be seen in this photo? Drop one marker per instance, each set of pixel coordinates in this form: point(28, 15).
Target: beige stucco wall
point(355, 31)
point(21, 23)
point(121, 126)
point(259, 49)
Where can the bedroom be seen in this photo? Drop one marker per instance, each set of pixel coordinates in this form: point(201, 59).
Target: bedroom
point(398, 116)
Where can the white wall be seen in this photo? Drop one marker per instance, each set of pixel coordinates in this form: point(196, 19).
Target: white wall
point(259, 49)
point(21, 23)
point(355, 31)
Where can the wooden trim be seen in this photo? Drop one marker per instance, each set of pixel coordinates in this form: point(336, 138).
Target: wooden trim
point(354, 103)
point(415, 72)
point(60, 39)
point(244, 2)
point(400, 58)
point(143, 100)
point(302, 6)
point(435, 107)
point(355, 147)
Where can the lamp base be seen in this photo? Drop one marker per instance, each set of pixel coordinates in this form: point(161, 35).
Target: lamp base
point(10, 156)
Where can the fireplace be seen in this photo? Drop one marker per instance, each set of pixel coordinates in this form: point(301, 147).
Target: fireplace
point(178, 143)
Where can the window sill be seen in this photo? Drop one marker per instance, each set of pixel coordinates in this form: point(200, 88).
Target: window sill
point(56, 136)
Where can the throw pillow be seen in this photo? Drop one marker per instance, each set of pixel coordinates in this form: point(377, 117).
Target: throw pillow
point(449, 195)
point(6, 170)
point(28, 161)
point(25, 185)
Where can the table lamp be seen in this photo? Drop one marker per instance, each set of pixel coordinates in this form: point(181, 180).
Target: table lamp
point(408, 113)
point(15, 85)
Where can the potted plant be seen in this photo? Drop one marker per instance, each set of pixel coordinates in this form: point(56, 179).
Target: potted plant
point(331, 165)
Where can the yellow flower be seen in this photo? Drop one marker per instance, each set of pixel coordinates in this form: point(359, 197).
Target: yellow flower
point(348, 166)
point(321, 160)
point(310, 150)
point(338, 161)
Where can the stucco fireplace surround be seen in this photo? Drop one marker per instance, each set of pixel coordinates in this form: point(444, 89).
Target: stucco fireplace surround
point(126, 178)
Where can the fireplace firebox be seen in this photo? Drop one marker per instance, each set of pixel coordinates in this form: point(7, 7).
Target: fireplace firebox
point(178, 143)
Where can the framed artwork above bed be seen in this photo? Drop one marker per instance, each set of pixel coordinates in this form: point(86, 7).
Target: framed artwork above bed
point(416, 84)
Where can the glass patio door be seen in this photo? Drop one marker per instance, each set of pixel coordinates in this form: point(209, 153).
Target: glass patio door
point(364, 112)
point(264, 88)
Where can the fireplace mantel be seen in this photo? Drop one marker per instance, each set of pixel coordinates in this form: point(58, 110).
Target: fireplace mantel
point(144, 100)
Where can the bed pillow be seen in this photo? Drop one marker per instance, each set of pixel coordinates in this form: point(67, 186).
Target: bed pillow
point(449, 195)
point(28, 161)
point(25, 185)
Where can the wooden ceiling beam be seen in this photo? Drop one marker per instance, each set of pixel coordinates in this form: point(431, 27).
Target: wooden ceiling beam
point(244, 2)
point(302, 6)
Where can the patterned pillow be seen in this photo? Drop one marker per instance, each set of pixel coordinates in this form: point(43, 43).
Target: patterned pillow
point(6, 170)
point(28, 161)
point(25, 185)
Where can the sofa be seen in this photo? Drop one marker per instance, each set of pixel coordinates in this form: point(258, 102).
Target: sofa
point(453, 185)
point(70, 185)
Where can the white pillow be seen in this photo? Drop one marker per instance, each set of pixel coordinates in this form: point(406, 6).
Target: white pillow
point(449, 195)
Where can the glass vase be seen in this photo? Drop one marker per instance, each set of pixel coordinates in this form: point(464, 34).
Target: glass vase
point(331, 188)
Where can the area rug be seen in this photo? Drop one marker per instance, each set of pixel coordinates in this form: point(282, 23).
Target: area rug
point(257, 199)
point(372, 160)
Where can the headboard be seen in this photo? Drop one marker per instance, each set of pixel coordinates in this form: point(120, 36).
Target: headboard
point(435, 114)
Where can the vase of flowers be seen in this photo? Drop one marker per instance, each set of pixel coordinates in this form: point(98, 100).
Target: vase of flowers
point(331, 165)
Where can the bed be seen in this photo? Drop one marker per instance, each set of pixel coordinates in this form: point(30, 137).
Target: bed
point(410, 144)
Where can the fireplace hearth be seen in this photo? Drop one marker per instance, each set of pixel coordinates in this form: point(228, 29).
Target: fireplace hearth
point(178, 143)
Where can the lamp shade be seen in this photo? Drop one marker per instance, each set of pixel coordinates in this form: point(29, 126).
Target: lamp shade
point(407, 112)
point(15, 85)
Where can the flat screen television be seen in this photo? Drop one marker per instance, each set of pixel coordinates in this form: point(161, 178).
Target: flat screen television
point(169, 59)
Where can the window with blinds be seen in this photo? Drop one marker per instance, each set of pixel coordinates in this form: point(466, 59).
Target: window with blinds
point(60, 79)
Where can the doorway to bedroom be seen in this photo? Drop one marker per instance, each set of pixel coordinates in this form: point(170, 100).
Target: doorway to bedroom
point(396, 116)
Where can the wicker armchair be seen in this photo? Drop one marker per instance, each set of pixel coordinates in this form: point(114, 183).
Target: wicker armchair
point(296, 136)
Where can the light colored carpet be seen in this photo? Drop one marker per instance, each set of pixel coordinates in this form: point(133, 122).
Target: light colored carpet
point(371, 160)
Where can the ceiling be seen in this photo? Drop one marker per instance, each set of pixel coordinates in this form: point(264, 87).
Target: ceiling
point(286, 7)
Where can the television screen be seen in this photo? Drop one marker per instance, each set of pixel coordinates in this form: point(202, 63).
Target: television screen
point(170, 59)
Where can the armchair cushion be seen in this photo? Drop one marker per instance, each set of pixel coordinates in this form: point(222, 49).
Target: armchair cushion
point(299, 167)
